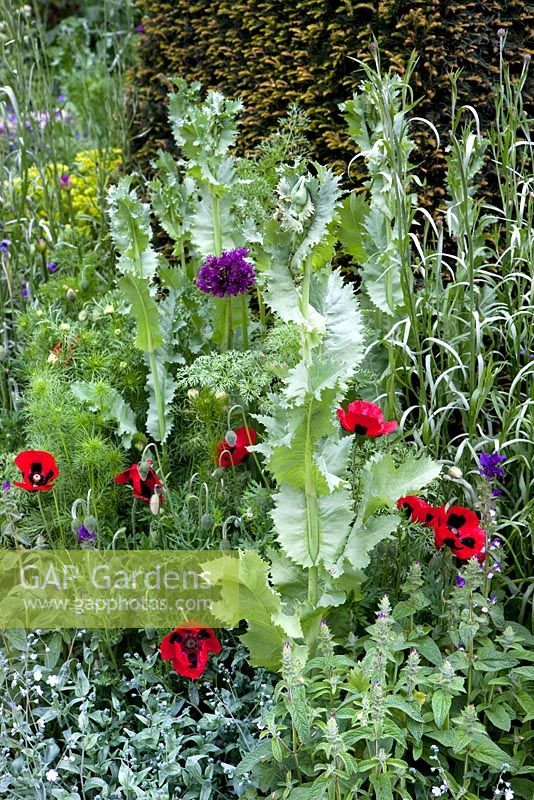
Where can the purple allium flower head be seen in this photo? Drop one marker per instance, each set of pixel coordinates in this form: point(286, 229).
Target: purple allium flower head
point(459, 581)
point(140, 28)
point(5, 244)
point(227, 274)
point(6, 486)
point(489, 465)
point(65, 182)
point(51, 267)
point(85, 535)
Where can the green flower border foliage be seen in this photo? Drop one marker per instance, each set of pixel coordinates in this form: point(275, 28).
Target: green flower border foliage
point(270, 54)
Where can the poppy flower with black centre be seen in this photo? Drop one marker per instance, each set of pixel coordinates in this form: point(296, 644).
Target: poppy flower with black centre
point(39, 470)
point(188, 648)
point(365, 419)
point(419, 510)
point(464, 544)
point(230, 455)
point(458, 518)
point(143, 488)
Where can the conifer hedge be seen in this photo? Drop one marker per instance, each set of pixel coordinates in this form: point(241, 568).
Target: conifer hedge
point(272, 52)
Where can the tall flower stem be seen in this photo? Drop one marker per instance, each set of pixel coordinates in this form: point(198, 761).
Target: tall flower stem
point(216, 217)
point(309, 485)
point(227, 333)
point(244, 320)
point(41, 509)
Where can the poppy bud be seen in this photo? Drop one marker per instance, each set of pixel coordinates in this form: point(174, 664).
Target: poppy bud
point(455, 473)
point(71, 294)
point(41, 245)
point(155, 504)
point(192, 394)
point(225, 545)
point(84, 284)
point(206, 521)
point(90, 523)
point(220, 394)
point(230, 438)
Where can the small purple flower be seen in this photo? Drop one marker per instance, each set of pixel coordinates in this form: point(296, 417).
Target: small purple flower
point(493, 599)
point(85, 535)
point(489, 465)
point(65, 182)
point(226, 275)
point(6, 486)
point(51, 267)
point(524, 354)
point(5, 244)
point(495, 543)
point(61, 98)
point(496, 492)
point(25, 291)
point(140, 28)
point(459, 581)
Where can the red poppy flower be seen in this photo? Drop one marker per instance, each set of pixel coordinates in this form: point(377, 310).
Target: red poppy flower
point(458, 518)
point(39, 470)
point(420, 510)
point(143, 489)
point(188, 649)
point(464, 544)
point(231, 455)
point(365, 419)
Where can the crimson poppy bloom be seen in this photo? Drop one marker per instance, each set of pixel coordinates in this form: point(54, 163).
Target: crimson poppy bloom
point(143, 489)
point(420, 510)
point(229, 455)
point(39, 470)
point(465, 543)
point(365, 419)
point(188, 649)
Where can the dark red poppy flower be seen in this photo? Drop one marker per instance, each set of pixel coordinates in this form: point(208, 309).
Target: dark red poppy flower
point(188, 649)
point(465, 543)
point(230, 455)
point(39, 470)
point(143, 489)
point(365, 419)
point(419, 510)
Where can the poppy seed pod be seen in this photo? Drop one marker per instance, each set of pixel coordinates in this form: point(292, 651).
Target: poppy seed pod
point(71, 294)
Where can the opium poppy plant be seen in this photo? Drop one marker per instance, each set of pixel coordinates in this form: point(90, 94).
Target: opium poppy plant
point(188, 649)
point(39, 470)
point(143, 488)
point(230, 454)
point(365, 419)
